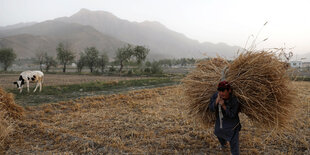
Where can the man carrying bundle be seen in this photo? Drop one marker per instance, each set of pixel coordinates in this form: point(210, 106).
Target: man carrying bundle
point(226, 107)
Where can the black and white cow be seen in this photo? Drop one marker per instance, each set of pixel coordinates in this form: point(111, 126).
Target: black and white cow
point(30, 76)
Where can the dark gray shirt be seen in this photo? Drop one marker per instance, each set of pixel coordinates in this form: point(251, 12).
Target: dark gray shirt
point(230, 120)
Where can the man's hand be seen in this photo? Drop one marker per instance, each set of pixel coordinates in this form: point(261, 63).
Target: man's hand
point(220, 101)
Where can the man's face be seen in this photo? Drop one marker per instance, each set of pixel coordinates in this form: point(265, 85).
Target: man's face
point(225, 94)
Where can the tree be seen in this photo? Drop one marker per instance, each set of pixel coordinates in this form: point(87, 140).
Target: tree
point(148, 65)
point(64, 55)
point(123, 55)
point(44, 60)
point(156, 68)
point(165, 62)
point(91, 56)
point(40, 58)
point(183, 61)
point(103, 61)
point(49, 61)
point(81, 62)
point(191, 61)
point(7, 57)
point(140, 53)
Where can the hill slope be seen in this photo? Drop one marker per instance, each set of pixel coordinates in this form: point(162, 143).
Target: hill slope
point(160, 39)
point(106, 32)
point(46, 36)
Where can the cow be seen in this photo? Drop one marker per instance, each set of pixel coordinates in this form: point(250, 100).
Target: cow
point(30, 76)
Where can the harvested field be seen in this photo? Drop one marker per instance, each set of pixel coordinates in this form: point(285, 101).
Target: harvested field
point(150, 121)
point(6, 80)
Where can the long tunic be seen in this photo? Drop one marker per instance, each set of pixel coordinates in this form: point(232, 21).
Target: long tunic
point(230, 120)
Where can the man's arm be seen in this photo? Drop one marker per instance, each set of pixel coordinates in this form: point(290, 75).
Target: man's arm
point(213, 102)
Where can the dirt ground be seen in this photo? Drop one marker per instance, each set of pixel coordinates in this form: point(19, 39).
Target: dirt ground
point(150, 121)
point(6, 80)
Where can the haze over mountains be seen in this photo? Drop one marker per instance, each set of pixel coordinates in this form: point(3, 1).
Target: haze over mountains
point(107, 33)
point(19, 25)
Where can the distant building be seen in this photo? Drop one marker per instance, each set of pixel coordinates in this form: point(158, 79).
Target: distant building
point(305, 64)
point(296, 64)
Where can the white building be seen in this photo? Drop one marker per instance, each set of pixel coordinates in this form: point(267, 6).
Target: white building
point(73, 64)
point(306, 64)
point(296, 64)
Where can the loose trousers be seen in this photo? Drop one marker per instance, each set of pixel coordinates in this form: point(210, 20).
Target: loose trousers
point(234, 143)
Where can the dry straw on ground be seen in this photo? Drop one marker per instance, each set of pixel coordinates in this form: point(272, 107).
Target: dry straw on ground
point(149, 121)
point(259, 80)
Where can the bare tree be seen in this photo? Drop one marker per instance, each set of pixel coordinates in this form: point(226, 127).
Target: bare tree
point(40, 58)
point(103, 61)
point(81, 62)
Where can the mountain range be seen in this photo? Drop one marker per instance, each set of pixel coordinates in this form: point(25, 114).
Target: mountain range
point(107, 33)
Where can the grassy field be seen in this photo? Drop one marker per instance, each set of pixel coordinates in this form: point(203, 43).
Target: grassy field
point(148, 121)
point(6, 80)
point(55, 93)
point(60, 87)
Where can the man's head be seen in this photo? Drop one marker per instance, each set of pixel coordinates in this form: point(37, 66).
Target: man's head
point(224, 90)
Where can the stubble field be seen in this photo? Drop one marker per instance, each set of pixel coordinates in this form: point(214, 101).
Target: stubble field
point(152, 121)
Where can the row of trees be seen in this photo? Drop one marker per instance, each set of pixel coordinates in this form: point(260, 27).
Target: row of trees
point(92, 58)
point(174, 62)
point(95, 60)
point(65, 56)
point(43, 59)
point(129, 53)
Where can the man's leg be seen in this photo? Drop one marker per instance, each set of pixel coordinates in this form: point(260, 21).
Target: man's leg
point(234, 144)
point(222, 141)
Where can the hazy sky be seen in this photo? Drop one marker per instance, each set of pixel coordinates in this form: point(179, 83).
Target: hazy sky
point(228, 21)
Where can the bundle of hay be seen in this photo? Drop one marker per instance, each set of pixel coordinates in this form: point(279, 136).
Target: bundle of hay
point(9, 111)
point(259, 80)
point(7, 105)
point(6, 128)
